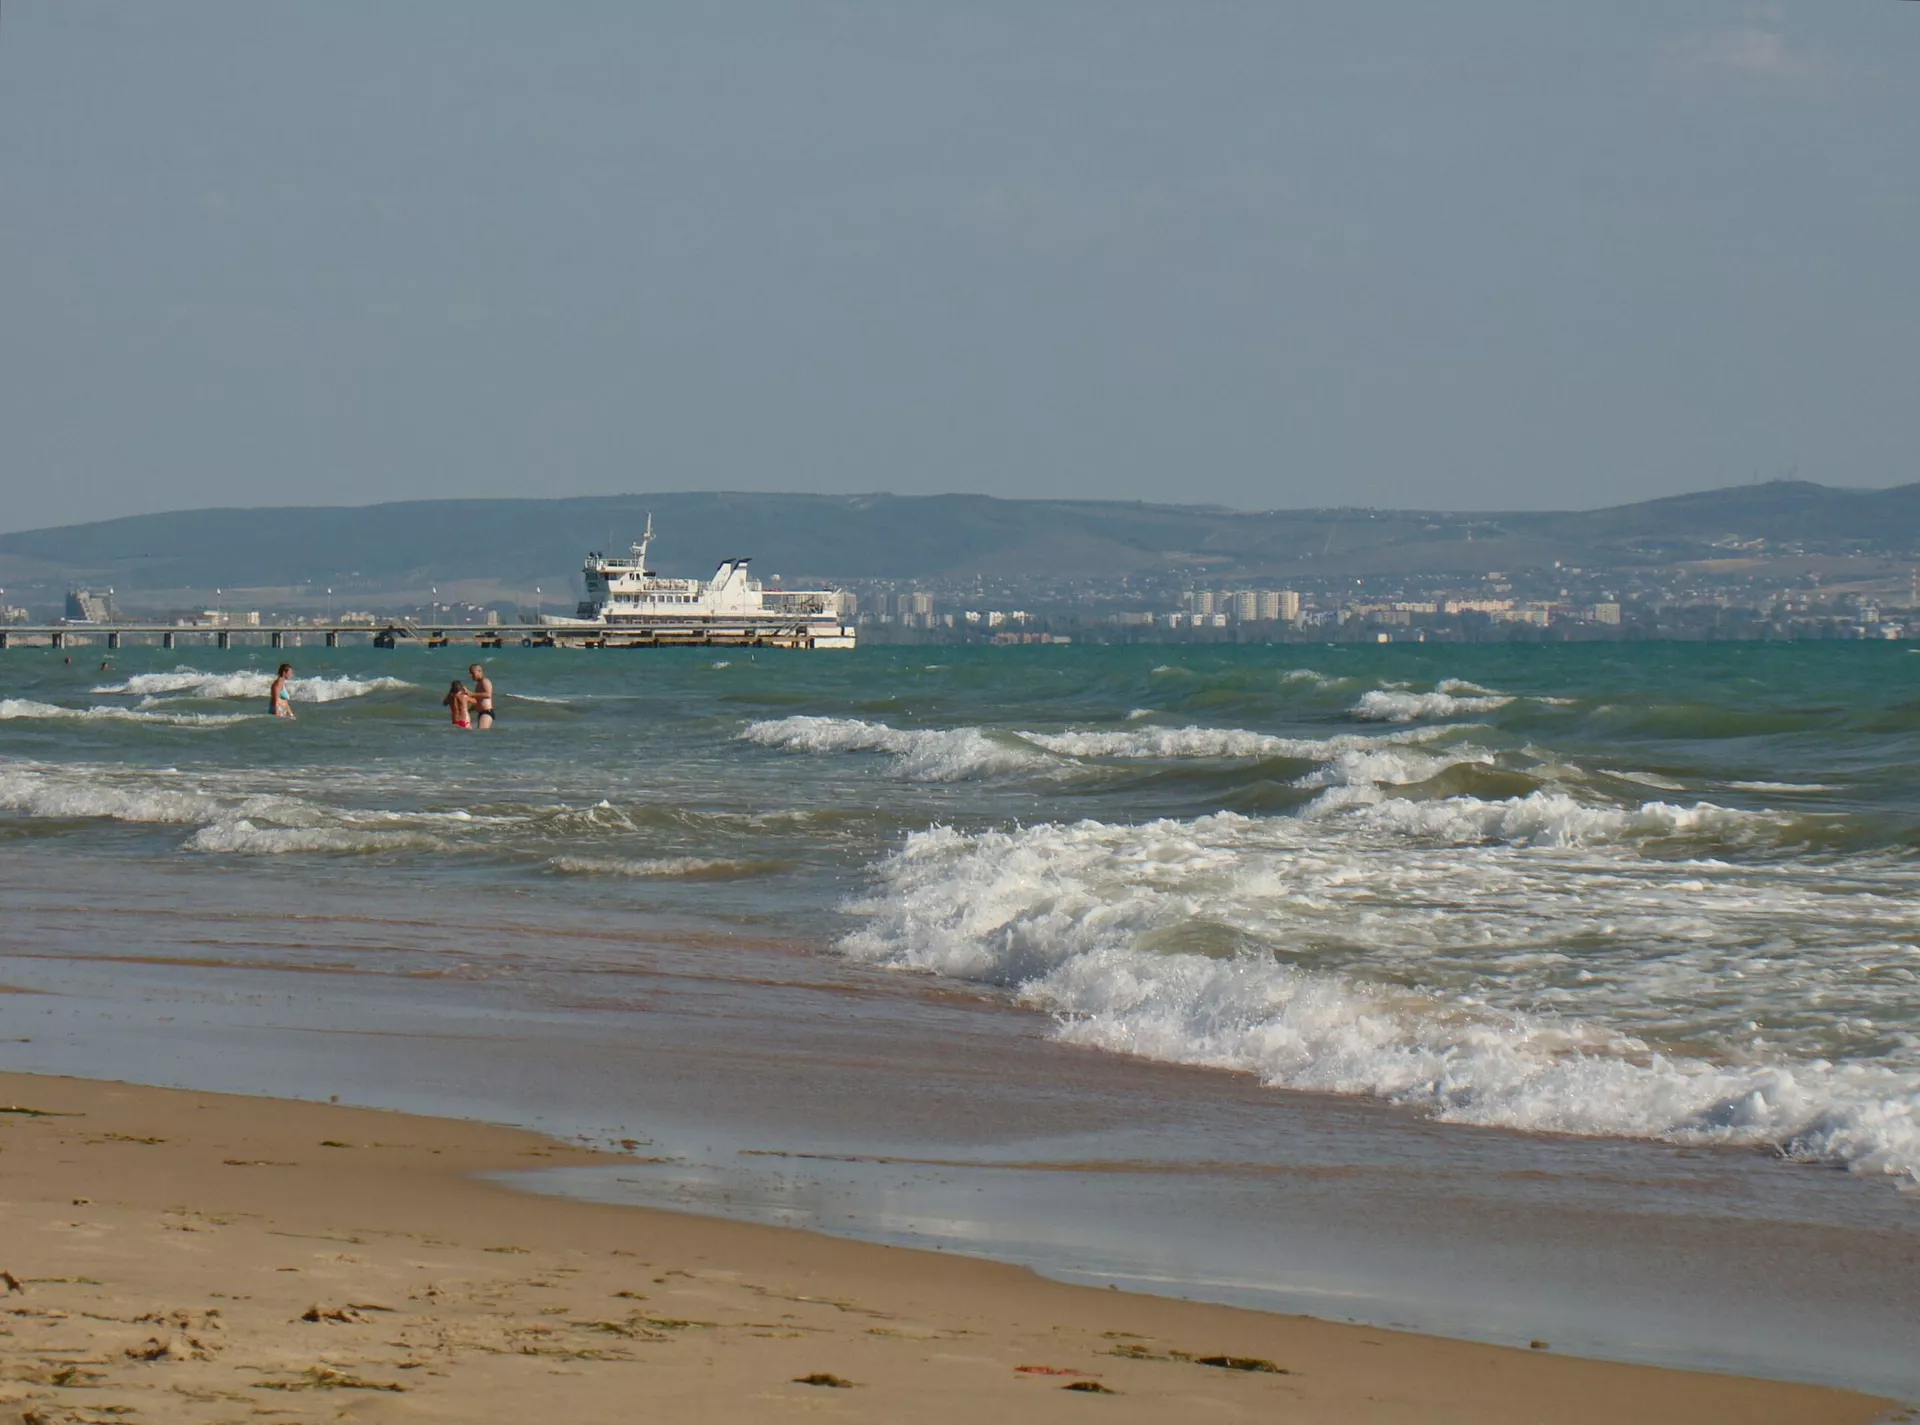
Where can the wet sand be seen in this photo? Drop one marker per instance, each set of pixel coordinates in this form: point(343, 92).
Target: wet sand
point(183, 1256)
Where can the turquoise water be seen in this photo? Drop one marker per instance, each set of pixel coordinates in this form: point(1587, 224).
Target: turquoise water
point(1660, 892)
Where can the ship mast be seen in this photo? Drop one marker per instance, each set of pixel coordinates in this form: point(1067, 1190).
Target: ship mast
point(640, 549)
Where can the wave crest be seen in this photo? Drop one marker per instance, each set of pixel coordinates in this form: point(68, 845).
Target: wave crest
point(192, 683)
point(924, 755)
point(1396, 705)
point(1172, 940)
point(18, 708)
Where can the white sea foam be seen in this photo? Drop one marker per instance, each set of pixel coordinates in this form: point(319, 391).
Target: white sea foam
point(927, 755)
point(954, 753)
point(230, 819)
point(1548, 818)
point(192, 683)
point(694, 868)
point(1647, 779)
point(17, 708)
point(1175, 940)
point(1789, 786)
point(1396, 705)
point(1172, 742)
point(243, 837)
point(72, 793)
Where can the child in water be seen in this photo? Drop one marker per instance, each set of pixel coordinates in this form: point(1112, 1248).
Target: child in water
point(460, 701)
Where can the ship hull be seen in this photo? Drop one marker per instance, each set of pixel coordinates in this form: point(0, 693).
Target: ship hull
point(670, 632)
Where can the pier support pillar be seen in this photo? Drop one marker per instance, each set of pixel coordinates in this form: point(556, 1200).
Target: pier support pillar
point(279, 638)
point(56, 639)
point(224, 638)
point(166, 640)
point(113, 640)
point(3, 638)
point(333, 638)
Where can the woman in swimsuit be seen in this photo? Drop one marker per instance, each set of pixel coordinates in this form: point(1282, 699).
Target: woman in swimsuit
point(277, 700)
point(461, 702)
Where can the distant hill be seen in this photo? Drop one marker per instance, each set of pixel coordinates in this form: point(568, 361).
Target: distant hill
point(517, 543)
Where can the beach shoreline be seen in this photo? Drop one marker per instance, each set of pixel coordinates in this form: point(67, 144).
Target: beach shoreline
point(196, 1256)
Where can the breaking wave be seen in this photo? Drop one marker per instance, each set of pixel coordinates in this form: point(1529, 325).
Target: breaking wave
point(942, 755)
point(1325, 962)
point(13, 708)
point(1220, 742)
point(945, 755)
point(691, 868)
point(72, 795)
point(243, 838)
point(1450, 698)
point(1542, 818)
point(192, 683)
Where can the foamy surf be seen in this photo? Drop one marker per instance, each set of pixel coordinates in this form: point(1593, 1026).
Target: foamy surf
point(1177, 941)
point(79, 794)
point(678, 868)
point(242, 837)
point(192, 683)
point(951, 754)
point(1169, 743)
point(12, 709)
point(1398, 705)
point(924, 755)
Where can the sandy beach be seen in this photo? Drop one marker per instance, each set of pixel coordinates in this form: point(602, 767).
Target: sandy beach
point(180, 1256)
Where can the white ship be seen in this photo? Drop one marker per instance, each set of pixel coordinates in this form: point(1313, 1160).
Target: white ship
point(627, 603)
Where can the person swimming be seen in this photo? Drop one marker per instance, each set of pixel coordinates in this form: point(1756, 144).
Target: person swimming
point(278, 703)
point(482, 696)
point(460, 702)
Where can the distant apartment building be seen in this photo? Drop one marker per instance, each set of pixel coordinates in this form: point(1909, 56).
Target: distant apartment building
point(85, 606)
point(1607, 613)
point(1199, 601)
point(1246, 605)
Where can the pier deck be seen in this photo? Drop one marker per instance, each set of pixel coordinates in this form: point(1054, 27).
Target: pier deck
point(393, 634)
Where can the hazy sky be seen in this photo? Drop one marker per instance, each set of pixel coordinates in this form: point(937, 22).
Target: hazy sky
point(1478, 254)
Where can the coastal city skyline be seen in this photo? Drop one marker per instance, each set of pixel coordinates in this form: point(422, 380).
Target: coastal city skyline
point(1778, 560)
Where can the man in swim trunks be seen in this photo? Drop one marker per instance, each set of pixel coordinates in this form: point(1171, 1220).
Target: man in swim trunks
point(277, 700)
point(482, 696)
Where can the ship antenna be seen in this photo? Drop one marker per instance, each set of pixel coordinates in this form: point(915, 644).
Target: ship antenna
point(645, 540)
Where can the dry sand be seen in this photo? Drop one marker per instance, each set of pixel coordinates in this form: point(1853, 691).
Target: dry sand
point(176, 1256)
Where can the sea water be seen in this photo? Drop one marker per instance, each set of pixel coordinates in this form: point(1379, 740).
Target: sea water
point(1630, 893)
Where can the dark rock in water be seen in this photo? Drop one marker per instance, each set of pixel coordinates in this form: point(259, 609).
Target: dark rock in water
point(1089, 1387)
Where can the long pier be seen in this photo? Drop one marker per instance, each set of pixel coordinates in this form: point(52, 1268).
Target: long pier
point(392, 634)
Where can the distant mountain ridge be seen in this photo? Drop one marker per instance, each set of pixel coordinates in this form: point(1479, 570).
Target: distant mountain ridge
point(520, 542)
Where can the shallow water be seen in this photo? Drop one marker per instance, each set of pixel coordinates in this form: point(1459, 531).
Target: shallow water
point(1634, 893)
